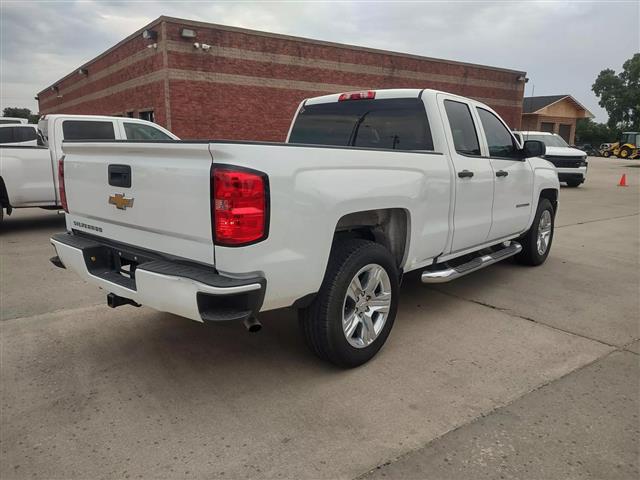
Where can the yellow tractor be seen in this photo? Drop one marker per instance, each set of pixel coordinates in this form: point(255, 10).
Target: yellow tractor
point(628, 146)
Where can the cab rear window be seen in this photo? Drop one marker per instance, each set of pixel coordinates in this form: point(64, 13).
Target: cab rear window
point(391, 124)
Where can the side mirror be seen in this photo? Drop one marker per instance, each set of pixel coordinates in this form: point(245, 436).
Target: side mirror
point(533, 148)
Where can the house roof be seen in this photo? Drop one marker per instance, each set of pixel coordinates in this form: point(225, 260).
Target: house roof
point(534, 104)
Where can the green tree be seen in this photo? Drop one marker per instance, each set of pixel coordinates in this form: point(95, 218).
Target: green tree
point(592, 133)
point(619, 94)
point(20, 113)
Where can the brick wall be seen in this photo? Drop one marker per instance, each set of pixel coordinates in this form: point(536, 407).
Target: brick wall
point(248, 84)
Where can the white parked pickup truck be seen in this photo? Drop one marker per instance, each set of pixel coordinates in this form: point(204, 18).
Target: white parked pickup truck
point(29, 154)
point(370, 185)
point(571, 163)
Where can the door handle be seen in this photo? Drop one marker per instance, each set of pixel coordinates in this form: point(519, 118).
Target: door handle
point(120, 176)
point(501, 173)
point(465, 174)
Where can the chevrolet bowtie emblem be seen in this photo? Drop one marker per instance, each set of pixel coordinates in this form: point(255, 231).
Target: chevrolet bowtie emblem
point(120, 201)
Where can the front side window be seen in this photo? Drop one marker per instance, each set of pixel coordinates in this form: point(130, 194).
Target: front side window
point(87, 130)
point(501, 143)
point(390, 124)
point(139, 131)
point(465, 138)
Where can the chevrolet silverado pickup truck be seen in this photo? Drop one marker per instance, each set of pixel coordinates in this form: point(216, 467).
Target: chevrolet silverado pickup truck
point(369, 185)
point(571, 163)
point(29, 153)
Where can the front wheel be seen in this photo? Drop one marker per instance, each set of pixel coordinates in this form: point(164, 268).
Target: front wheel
point(625, 152)
point(536, 243)
point(606, 154)
point(350, 319)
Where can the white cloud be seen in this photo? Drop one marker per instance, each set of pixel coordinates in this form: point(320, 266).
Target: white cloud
point(561, 45)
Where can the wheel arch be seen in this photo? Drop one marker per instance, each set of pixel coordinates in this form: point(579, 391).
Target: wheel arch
point(389, 227)
point(4, 197)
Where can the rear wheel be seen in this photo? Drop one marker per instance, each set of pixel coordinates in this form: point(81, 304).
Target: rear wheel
point(351, 317)
point(536, 243)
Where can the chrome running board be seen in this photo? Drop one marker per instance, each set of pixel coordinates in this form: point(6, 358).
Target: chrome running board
point(451, 273)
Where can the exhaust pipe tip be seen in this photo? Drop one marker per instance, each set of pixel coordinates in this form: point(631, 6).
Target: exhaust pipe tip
point(252, 324)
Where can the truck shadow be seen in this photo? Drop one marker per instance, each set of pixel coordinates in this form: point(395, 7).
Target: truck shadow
point(42, 220)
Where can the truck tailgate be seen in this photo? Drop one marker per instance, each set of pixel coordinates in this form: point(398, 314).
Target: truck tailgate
point(151, 195)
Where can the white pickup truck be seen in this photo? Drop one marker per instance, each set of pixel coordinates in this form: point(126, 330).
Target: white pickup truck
point(29, 154)
point(370, 185)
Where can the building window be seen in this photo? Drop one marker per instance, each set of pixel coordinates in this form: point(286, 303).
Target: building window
point(147, 115)
point(547, 127)
point(129, 114)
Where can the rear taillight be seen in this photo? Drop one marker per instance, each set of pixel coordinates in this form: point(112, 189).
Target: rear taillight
point(63, 193)
point(239, 206)
point(368, 95)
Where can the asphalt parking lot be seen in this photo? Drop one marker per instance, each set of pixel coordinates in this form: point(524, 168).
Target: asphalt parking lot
point(511, 372)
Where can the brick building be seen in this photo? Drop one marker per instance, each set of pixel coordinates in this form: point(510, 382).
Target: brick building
point(555, 114)
point(202, 80)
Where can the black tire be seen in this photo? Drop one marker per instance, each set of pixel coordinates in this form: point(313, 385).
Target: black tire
point(606, 154)
point(624, 152)
point(530, 254)
point(321, 322)
point(573, 183)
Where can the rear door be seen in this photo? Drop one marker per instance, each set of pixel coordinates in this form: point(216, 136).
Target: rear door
point(473, 174)
point(513, 186)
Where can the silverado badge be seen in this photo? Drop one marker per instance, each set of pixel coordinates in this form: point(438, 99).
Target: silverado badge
point(120, 201)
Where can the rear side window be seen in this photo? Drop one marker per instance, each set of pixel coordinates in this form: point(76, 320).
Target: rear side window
point(139, 131)
point(501, 143)
point(87, 130)
point(392, 124)
point(6, 135)
point(465, 138)
point(24, 134)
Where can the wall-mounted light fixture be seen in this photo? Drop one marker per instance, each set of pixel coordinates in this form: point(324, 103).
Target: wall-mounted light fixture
point(188, 33)
point(83, 71)
point(150, 35)
point(522, 78)
point(36, 98)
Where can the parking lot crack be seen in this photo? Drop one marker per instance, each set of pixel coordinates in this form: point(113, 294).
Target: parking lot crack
point(530, 319)
point(482, 415)
point(598, 220)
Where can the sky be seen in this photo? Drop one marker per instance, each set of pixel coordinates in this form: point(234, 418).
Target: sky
point(561, 45)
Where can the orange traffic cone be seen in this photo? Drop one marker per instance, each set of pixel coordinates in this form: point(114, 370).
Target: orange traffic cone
point(623, 181)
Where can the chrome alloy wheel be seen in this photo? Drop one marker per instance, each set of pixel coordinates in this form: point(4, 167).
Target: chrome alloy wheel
point(366, 305)
point(544, 232)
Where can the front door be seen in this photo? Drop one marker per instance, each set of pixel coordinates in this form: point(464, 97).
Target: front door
point(474, 176)
point(513, 187)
